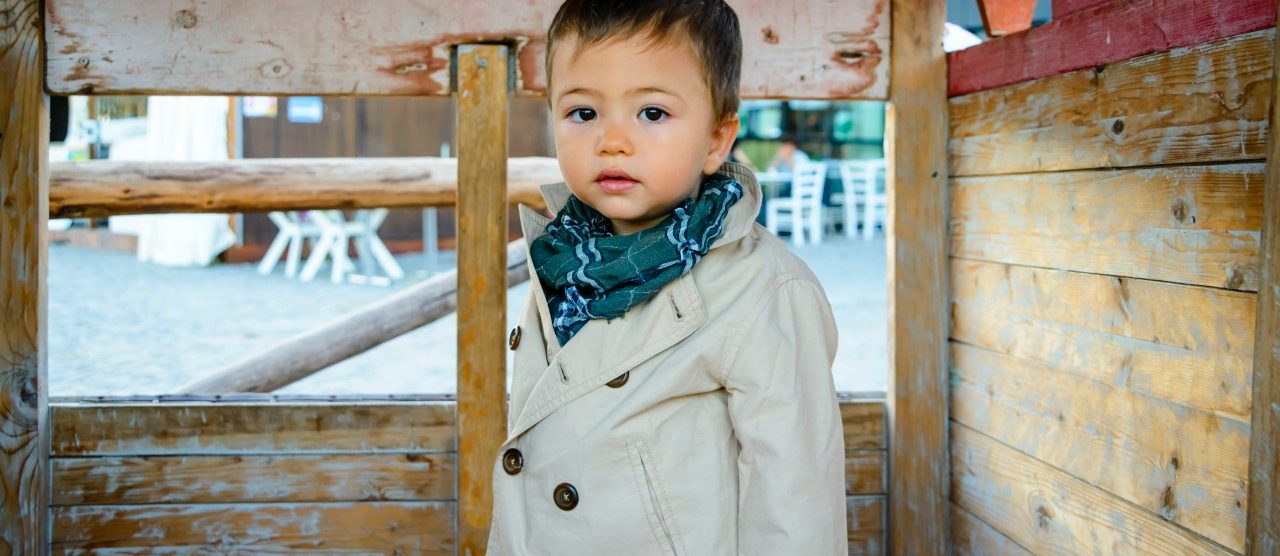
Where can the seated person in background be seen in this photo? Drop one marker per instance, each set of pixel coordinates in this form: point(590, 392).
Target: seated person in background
point(788, 155)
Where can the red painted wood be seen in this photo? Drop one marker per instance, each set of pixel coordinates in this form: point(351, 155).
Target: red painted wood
point(1006, 17)
point(1064, 7)
point(1106, 33)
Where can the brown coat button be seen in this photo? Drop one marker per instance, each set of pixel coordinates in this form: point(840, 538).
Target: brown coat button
point(514, 340)
point(512, 461)
point(618, 382)
point(566, 496)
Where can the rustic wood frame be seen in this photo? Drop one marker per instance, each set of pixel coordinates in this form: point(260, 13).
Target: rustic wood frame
point(852, 66)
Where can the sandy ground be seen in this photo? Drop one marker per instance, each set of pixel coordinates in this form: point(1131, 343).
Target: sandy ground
point(120, 327)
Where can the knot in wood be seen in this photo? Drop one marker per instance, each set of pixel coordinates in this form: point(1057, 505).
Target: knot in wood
point(186, 19)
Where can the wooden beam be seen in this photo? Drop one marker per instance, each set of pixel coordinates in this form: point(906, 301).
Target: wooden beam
point(1062, 8)
point(24, 185)
point(1102, 34)
point(916, 138)
point(350, 335)
point(1006, 17)
point(482, 289)
point(102, 188)
point(809, 49)
point(1263, 525)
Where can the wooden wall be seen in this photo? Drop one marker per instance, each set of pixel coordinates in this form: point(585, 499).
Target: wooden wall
point(294, 474)
point(1105, 240)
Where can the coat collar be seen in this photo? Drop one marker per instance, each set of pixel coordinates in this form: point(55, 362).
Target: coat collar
point(603, 350)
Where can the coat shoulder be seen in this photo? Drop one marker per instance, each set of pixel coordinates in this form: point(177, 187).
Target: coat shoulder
point(749, 269)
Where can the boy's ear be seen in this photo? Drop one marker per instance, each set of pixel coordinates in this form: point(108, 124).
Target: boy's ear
point(721, 141)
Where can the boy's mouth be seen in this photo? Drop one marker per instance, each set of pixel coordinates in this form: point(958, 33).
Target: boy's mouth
point(615, 180)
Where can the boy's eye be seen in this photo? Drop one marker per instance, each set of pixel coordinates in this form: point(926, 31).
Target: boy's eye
point(582, 114)
point(653, 114)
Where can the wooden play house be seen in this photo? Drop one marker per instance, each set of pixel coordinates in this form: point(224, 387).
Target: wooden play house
point(1082, 289)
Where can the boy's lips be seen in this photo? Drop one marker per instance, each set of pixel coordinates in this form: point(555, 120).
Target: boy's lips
point(615, 180)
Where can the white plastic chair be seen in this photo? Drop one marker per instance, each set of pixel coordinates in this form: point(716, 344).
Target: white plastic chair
point(864, 200)
point(803, 209)
point(875, 199)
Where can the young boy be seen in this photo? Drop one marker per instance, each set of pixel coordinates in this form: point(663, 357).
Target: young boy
point(671, 391)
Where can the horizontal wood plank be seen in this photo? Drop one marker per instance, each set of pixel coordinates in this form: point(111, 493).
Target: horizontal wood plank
point(1051, 512)
point(250, 428)
point(1195, 105)
point(1188, 224)
point(336, 528)
point(866, 515)
point(1087, 33)
point(864, 426)
point(106, 187)
point(973, 537)
point(1182, 465)
point(864, 472)
point(341, 47)
point(1186, 344)
point(227, 479)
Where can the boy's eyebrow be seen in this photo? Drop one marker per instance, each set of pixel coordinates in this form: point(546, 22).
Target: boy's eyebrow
point(635, 91)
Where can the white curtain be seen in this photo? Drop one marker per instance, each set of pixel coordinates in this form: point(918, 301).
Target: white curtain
point(178, 128)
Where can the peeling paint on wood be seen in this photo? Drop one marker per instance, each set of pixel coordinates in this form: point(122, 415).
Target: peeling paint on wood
point(820, 49)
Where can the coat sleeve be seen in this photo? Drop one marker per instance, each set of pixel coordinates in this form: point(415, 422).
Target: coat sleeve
point(784, 411)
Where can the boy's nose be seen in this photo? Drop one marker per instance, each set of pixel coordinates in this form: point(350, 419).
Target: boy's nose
point(613, 141)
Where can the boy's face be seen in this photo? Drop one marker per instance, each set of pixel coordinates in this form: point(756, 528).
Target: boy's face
point(634, 129)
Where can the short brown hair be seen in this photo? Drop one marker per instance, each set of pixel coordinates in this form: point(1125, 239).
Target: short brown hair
point(710, 25)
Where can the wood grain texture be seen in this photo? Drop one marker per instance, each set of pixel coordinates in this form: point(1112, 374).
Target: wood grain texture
point(1187, 224)
point(1049, 511)
point(24, 136)
point(864, 424)
point(973, 537)
point(410, 476)
point(1264, 469)
point(305, 528)
point(482, 287)
point(104, 187)
point(1097, 32)
point(866, 516)
point(1181, 465)
point(864, 472)
point(1202, 104)
point(1189, 345)
point(250, 428)
point(916, 139)
point(812, 49)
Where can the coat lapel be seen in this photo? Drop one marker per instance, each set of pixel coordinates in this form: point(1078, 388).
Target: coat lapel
point(603, 350)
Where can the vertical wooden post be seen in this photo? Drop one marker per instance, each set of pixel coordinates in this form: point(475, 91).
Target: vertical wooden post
point(24, 211)
point(1262, 535)
point(916, 135)
point(482, 287)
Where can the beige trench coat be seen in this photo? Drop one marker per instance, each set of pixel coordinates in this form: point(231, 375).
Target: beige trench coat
point(702, 422)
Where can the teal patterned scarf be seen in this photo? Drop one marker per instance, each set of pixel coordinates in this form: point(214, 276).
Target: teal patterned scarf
point(590, 273)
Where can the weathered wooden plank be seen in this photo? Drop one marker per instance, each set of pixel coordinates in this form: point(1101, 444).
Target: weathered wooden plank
point(866, 515)
point(973, 537)
point(310, 528)
point(1189, 224)
point(1182, 465)
point(250, 428)
point(864, 472)
point(482, 288)
point(411, 476)
point(1194, 105)
point(1186, 344)
point(24, 185)
point(1050, 512)
point(864, 425)
point(1263, 523)
point(104, 187)
point(1087, 33)
point(812, 49)
point(915, 136)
